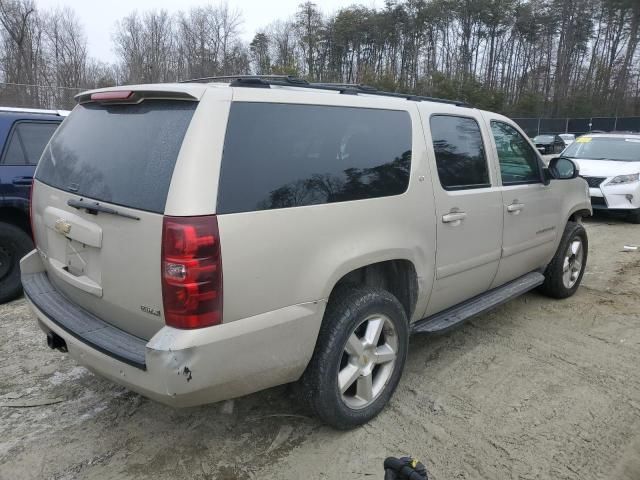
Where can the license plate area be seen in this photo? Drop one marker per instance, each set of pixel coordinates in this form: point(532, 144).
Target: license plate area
point(73, 249)
point(77, 256)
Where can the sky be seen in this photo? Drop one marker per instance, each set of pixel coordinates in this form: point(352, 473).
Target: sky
point(99, 17)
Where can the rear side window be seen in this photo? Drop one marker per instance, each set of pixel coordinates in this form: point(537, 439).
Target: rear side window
point(122, 154)
point(27, 142)
point(283, 155)
point(460, 153)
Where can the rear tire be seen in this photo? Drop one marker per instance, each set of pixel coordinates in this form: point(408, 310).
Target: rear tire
point(15, 243)
point(564, 274)
point(359, 357)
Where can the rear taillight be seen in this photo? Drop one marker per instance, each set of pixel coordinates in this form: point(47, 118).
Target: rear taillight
point(191, 272)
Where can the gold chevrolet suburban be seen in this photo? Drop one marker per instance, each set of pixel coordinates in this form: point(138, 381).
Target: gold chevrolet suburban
point(204, 240)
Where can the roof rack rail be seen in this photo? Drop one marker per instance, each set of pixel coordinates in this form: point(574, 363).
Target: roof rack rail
point(42, 111)
point(266, 81)
point(357, 86)
point(250, 78)
point(368, 89)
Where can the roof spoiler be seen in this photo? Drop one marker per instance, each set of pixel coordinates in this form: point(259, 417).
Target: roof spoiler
point(131, 97)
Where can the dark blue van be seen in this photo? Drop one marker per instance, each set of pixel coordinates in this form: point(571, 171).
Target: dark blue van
point(24, 133)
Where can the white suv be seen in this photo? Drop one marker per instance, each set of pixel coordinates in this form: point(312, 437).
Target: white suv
point(610, 163)
point(200, 241)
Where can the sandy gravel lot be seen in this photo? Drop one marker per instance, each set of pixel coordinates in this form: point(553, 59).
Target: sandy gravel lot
point(536, 389)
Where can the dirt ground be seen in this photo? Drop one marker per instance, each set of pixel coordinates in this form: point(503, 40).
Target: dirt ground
point(536, 389)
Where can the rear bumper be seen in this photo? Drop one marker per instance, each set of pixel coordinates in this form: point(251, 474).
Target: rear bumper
point(190, 367)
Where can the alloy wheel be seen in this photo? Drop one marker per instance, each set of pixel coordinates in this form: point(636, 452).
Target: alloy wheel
point(368, 361)
point(572, 266)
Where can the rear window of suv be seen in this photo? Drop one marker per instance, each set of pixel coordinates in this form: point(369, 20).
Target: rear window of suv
point(287, 155)
point(122, 154)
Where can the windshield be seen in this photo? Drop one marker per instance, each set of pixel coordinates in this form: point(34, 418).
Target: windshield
point(620, 149)
point(543, 138)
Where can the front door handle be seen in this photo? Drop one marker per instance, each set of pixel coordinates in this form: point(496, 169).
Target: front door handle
point(454, 217)
point(515, 207)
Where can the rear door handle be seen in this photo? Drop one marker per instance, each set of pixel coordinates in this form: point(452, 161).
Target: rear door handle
point(22, 181)
point(515, 208)
point(454, 217)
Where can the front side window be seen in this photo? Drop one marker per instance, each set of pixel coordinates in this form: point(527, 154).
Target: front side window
point(286, 155)
point(518, 161)
point(460, 153)
point(27, 142)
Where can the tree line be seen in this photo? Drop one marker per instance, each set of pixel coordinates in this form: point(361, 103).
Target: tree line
point(519, 57)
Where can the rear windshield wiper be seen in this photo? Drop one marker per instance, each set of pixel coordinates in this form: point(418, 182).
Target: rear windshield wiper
point(95, 207)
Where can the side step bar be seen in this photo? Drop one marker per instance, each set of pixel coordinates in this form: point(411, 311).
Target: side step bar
point(458, 314)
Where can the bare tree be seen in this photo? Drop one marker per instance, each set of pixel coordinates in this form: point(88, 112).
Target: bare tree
point(145, 44)
point(282, 43)
point(208, 42)
point(65, 51)
point(21, 48)
point(521, 57)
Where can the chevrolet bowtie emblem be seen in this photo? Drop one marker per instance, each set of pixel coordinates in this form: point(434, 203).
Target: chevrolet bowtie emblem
point(62, 226)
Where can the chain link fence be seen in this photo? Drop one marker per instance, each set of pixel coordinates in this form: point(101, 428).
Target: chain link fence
point(577, 126)
point(37, 96)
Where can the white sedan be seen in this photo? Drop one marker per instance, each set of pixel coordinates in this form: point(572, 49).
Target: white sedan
point(610, 163)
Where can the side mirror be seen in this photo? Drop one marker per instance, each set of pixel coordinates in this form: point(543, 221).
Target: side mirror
point(562, 168)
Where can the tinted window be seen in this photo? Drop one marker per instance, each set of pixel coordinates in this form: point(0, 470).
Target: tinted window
point(460, 154)
point(27, 142)
point(124, 154)
point(35, 137)
point(282, 155)
point(518, 161)
point(15, 153)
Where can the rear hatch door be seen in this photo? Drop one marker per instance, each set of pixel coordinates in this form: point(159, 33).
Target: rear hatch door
point(98, 203)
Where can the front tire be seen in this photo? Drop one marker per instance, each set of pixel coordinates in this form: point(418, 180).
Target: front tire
point(359, 357)
point(15, 243)
point(564, 274)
